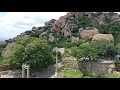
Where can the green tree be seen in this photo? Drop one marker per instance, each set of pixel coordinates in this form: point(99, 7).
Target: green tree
point(106, 49)
point(15, 57)
point(34, 52)
point(87, 51)
point(25, 40)
point(38, 54)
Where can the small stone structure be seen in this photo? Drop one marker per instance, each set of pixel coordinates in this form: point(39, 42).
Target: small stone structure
point(25, 67)
point(98, 68)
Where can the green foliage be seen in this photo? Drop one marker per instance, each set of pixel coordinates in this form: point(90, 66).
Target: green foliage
point(1, 60)
point(82, 22)
point(74, 51)
point(15, 57)
point(37, 54)
point(117, 46)
point(111, 76)
point(87, 51)
point(104, 29)
point(25, 40)
point(34, 52)
point(115, 31)
point(67, 52)
point(59, 56)
point(108, 21)
point(71, 73)
point(117, 64)
point(106, 49)
point(90, 76)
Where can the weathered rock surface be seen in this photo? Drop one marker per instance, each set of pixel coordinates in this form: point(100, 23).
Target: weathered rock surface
point(88, 33)
point(103, 37)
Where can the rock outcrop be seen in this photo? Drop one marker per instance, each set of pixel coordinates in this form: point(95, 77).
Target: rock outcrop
point(74, 39)
point(65, 26)
point(3, 43)
point(88, 33)
point(7, 49)
point(103, 37)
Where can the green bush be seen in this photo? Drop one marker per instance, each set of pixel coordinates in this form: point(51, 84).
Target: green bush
point(117, 47)
point(117, 64)
point(113, 29)
point(67, 52)
point(87, 51)
point(111, 76)
point(90, 76)
point(74, 51)
point(82, 22)
point(106, 49)
point(71, 73)
point(34, 52)
point(25, 40)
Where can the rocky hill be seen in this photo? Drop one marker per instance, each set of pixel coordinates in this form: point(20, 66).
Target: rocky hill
point(75, 26)
point(65, 25)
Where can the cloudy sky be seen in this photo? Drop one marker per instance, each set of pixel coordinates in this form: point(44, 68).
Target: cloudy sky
point(14, 23)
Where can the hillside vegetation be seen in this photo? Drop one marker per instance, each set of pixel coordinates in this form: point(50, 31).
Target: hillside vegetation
point(85, 34)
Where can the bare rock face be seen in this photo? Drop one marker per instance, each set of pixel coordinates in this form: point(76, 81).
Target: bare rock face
point(88, 33)
point(75, 14)
point(67, 34)
point(3, 43)
point(86, 13)
point(99, 13)
point(50, 22)
point(74, 39)
point(34, 28)
point(7, 49)
point(103, 37)
point(55, 28)
point(52, 38)
point(111, 68)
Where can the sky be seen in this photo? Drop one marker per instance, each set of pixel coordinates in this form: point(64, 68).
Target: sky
point(14, 23)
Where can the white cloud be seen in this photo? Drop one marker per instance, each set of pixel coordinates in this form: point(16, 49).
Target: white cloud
point(14, 23)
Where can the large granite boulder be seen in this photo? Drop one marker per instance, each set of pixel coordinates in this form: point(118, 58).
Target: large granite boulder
point(103, 37)
point(88, 33)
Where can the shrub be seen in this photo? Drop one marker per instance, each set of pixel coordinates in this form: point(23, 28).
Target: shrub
point(34, 52)
point(117, 47)
point(71, 73)
point(87, 51)
point(106, 49)
point(111, 76)
point(74, 51)
point(117, 64)
point(82, 22)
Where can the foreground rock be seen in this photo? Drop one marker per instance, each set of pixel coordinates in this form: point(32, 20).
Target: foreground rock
point(103, 37)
